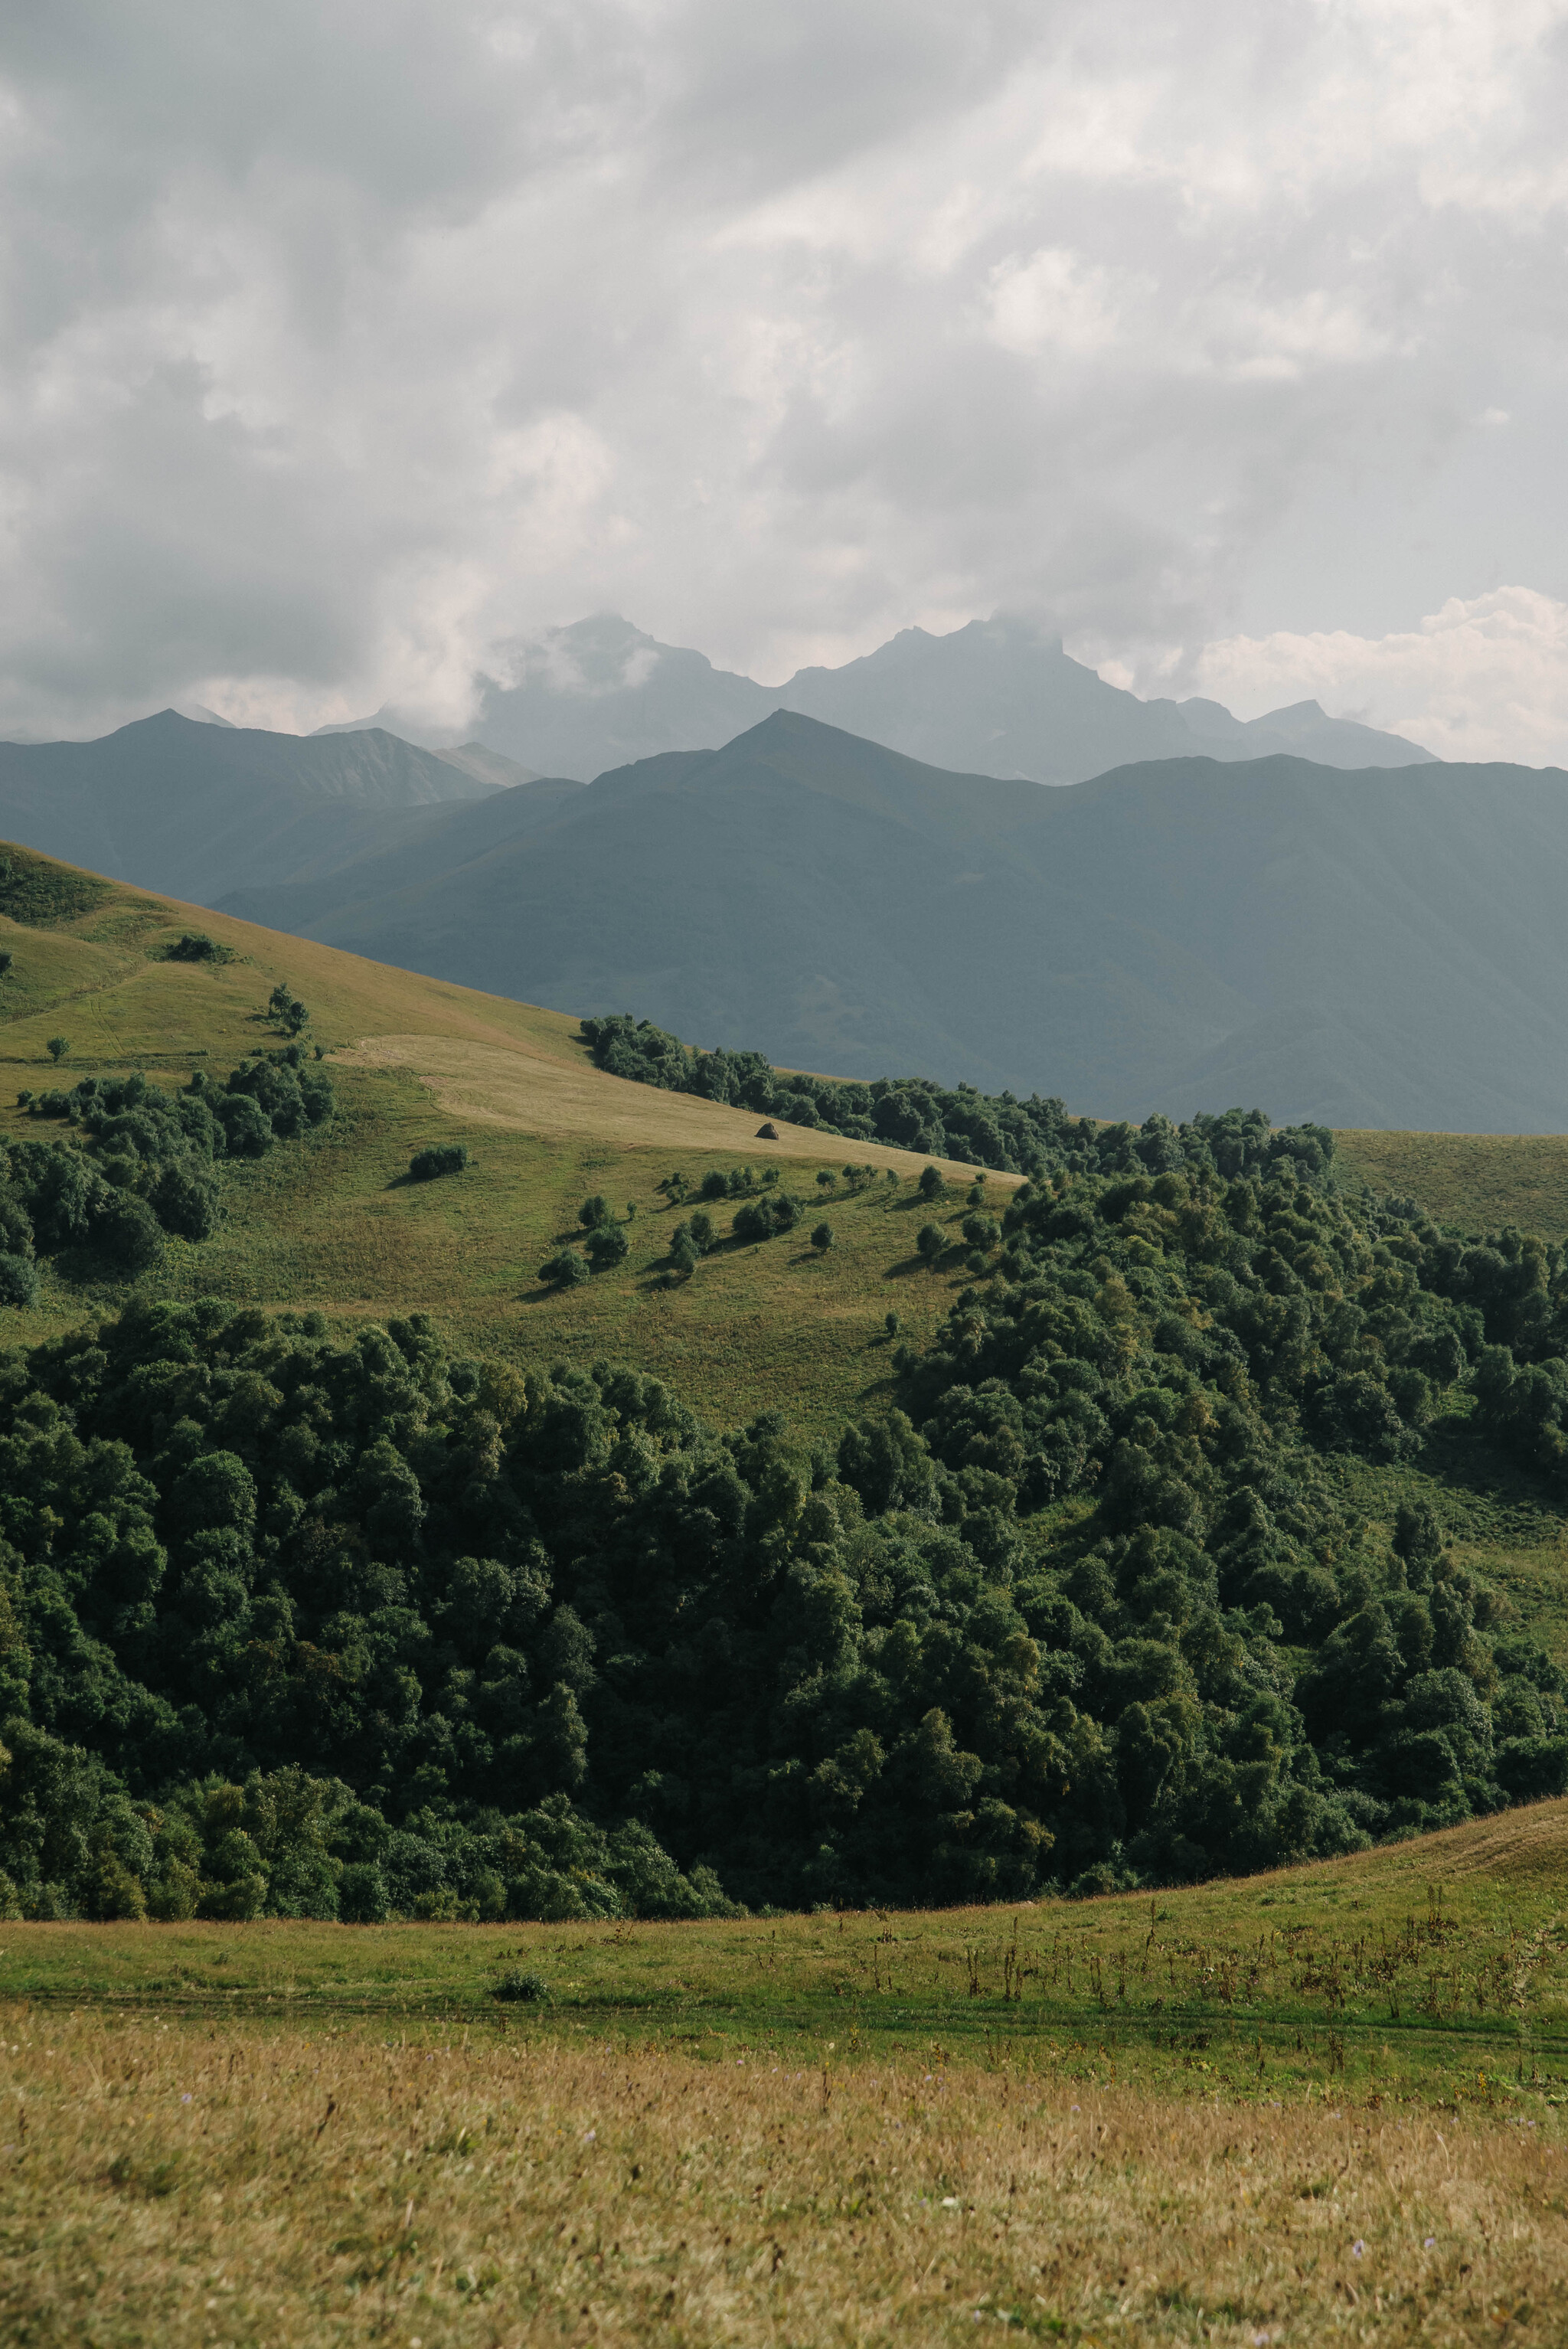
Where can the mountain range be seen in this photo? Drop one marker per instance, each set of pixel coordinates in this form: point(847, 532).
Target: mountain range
point(195, 807)
point(1371, 947)
point(996, 697)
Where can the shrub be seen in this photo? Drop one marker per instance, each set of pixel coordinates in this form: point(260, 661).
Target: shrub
point(608, 1244)
point(56, 1049)
point(195, 945)
point(565, 1269)
point(715, 1186)
point(185, 1201)
point(594, 1212)
point(441, 1158)
point(18, 1280)
point(128, 1232)
point(702, 1229)
point(527, 1989)
point(822, 1238)
point(931, 1240)
point(931, 1185)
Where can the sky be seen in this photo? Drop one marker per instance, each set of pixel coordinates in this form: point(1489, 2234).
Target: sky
point(345, 347)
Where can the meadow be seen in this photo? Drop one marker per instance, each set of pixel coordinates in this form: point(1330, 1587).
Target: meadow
point(1324, 2103)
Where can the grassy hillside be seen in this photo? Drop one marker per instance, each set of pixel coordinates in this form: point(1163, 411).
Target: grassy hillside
point(1321, 2104)
point(332, 1222)
point(1478, 1182)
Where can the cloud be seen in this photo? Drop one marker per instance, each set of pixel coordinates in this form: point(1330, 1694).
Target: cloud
point(345, 347)
point(1486, 679)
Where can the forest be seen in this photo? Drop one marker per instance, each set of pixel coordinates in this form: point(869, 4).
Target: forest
point(300, 1625)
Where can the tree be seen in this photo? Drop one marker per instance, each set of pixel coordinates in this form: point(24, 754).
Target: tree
point(128, 1231)
point(294, 1014)
point(608, 1244)
point(595, 1211)
point(931, 1185)
point(892, 1325)
point(822, 1238)
point(702, 1230)
point(565, 1270)
point(931, 1240)
point(824, 1180)
point(56, 1049)
point(6, 959)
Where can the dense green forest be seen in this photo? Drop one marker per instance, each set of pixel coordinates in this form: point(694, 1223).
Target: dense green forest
point(1031, 1137)
point(354, 1629)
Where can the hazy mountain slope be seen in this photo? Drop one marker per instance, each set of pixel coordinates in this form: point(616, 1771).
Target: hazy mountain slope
point(191, 808)
point(1376, 948)
point(995, 698)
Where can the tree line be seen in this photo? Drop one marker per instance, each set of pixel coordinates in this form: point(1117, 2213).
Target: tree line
point(1035, 1137)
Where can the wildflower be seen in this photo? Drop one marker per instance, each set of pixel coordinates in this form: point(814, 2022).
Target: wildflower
point(950, 2201)
point(1357, 2249)
point(185, 2099)
point(1431, 2243)
point(588, 2135)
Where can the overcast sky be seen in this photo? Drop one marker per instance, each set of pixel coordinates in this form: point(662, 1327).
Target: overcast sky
point(345, 345)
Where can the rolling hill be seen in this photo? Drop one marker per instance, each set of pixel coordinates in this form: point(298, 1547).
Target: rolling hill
point(998, 697)
point(332, 1224)
point(1371, 948)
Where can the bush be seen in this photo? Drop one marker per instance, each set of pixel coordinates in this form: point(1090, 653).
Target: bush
point(441, 1158)
point(822, 1238)
point(18, 1280)
point(931, 1241)
point(527, 1989)
point(56, 1049)
point(608, 1244)
point(594, 1212)
point(564, 1270)
point(185, 1201)
point(760, 1220)
point(931, 1185)
point(195, 945)
point(128, 1232)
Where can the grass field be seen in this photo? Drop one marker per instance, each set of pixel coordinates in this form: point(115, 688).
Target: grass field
point(1323, 2103)
point(1476, 1181)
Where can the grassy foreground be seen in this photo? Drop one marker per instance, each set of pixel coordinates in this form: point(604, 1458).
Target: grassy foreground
point(1323, 2103)
point(190, 2187)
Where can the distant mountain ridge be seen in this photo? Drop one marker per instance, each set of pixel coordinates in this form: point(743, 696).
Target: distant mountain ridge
point(189, 807)
point(995, 698)
point(1370, 947)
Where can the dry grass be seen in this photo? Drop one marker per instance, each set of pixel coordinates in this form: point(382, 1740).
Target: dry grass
point(560, 1093)
point(174, 2184)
